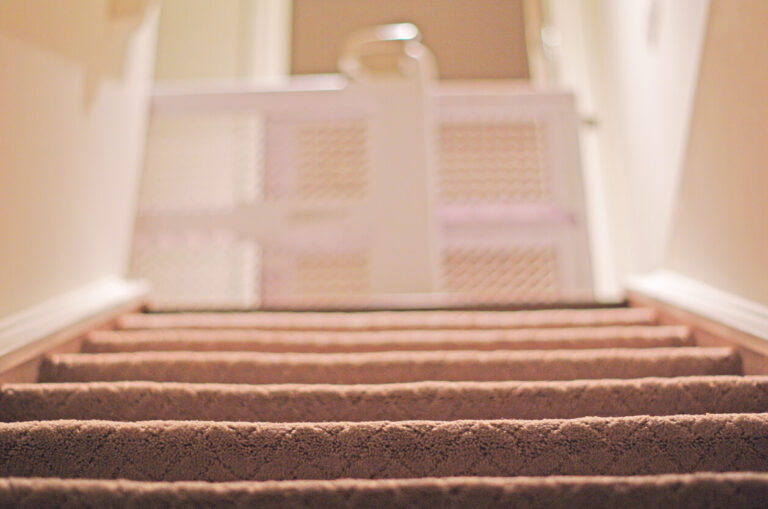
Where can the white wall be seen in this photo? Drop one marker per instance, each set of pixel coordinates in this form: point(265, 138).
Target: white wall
point(568, 63)
point(74, 78)
point(720, 231)
point(634, 66)
point(679, 90)
point(652, 53)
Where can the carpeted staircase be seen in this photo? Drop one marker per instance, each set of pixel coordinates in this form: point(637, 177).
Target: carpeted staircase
point(552, 408)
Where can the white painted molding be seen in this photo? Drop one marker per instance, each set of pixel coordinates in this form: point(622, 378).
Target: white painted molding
point(704, 300)
point(49, 317)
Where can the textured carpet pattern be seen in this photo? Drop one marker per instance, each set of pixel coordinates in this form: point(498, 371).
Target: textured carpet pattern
point(388, 367)
point(713, 491)
point(552, 408)
point(442, 401)
point(231, 451)
point(339, 342)
point(394, 320)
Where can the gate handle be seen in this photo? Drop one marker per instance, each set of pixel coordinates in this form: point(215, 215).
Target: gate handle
point(397, 45)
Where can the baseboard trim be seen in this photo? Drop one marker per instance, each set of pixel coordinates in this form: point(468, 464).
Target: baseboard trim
point(45, 325)
point(704, 300)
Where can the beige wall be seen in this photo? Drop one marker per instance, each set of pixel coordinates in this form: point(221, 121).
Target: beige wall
point(73, 82)
point(470, 38)
point(223, 39)
point(199, 39)
point(720, 232)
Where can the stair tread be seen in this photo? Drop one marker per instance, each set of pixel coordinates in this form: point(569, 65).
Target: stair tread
point(225, 451)
point(664, 491)
point(383, 367)
point(390, 320)
point(335, 342)
point(127, 401)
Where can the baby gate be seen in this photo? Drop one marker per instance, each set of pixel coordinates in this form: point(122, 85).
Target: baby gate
point(327, 192)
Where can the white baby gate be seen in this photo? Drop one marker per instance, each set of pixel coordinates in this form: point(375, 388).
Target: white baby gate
point(324, 191)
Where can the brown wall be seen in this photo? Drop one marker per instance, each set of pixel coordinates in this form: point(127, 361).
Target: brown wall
point(470, 38)
point(720, 233)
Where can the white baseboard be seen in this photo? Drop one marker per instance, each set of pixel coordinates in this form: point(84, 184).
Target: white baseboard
point(704, 300)
point(54, 315)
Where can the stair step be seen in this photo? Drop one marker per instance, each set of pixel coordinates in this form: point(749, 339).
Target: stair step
point(548, 408)
point(338, 342)
point(386, 367)
point(666, 491)
point(444, 401)
point(390, 320)
point(210, 451)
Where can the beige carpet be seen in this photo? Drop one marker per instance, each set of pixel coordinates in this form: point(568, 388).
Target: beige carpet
point(556, 408)
point(440, 401)
point(391, 320)
point(338, 342)
point(233, 451)
point(386, 367)
point(702, 490)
